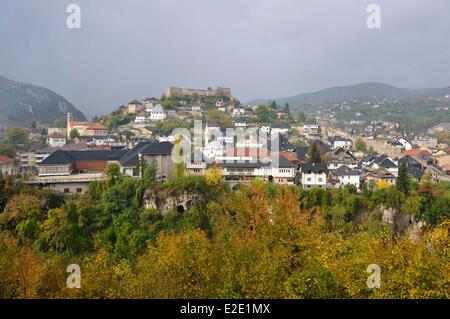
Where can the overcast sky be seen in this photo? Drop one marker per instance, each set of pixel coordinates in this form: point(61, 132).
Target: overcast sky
point(260, 48)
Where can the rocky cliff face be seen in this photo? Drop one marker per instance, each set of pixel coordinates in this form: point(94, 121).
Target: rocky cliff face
point(403, 223)
point(21, 104)
point(165, 202)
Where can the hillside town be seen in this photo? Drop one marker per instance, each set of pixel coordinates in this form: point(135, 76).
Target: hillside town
point(267, 142)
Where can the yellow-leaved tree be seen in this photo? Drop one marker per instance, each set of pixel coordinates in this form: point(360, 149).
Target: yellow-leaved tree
point(213, 175)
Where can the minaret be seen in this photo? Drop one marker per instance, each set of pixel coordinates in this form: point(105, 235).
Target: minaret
point(69, 123)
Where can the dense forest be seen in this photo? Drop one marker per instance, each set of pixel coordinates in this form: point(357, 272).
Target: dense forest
point(263, 241)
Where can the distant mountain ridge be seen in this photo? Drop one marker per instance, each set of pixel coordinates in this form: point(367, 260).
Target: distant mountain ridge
point(21, 104)
point(367, 90)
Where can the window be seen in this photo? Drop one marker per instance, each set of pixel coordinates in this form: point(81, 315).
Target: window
point(320, 179)
point(66, 190)
point(308, 179)
point(79, 190)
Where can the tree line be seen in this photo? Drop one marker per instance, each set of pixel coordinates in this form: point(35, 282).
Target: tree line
point(263, 241)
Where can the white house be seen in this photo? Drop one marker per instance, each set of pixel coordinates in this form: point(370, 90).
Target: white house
point(141, 117)
point(158, 113)
point(238, 111)
point(240, 122)
point(311, 130)
point(383, 162)
point(279, 129)
point(405, 144)
point(313, 175)
point(281, 172)
point(196, 108)
point(344, 175)
point(149, 107)
point(56, 139)
point(339, 141)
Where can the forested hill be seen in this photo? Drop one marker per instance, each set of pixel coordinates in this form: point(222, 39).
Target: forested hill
point(365, 91)
point(21, 104)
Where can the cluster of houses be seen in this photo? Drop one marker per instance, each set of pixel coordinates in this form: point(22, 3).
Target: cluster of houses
point(150, 109)
point(69, 168)
point(235, 109)
point(152, 113)
point(89, 136)
point(242, 159)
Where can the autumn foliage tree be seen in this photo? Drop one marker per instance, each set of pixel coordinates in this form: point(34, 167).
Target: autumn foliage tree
point(261, 241)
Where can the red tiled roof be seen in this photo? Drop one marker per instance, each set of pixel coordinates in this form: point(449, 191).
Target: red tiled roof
point(5, 160)
point(416, 152)
point(56, 135)
point(89, 125)
point(83, 123)
point(290, 157)
point(96, 126)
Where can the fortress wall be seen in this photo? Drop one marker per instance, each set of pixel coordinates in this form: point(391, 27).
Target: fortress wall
point(184, 91)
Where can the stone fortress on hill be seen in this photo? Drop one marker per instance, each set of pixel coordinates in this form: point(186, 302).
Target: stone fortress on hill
point(219, 91)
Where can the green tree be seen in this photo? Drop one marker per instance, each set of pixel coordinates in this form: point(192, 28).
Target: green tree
point(403, 178)
point(7, 150)
point(179, 170)
point(273, 105)
point(224, 119)
point(264, 114)
point(301, 116)
point(17, 137)
point(314, 155)
point(439, 210)
point(150, 174)
point(360, 145)
point(113, 173)
point(74, 134)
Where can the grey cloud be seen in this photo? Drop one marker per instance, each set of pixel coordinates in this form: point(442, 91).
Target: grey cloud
point(260, 48)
